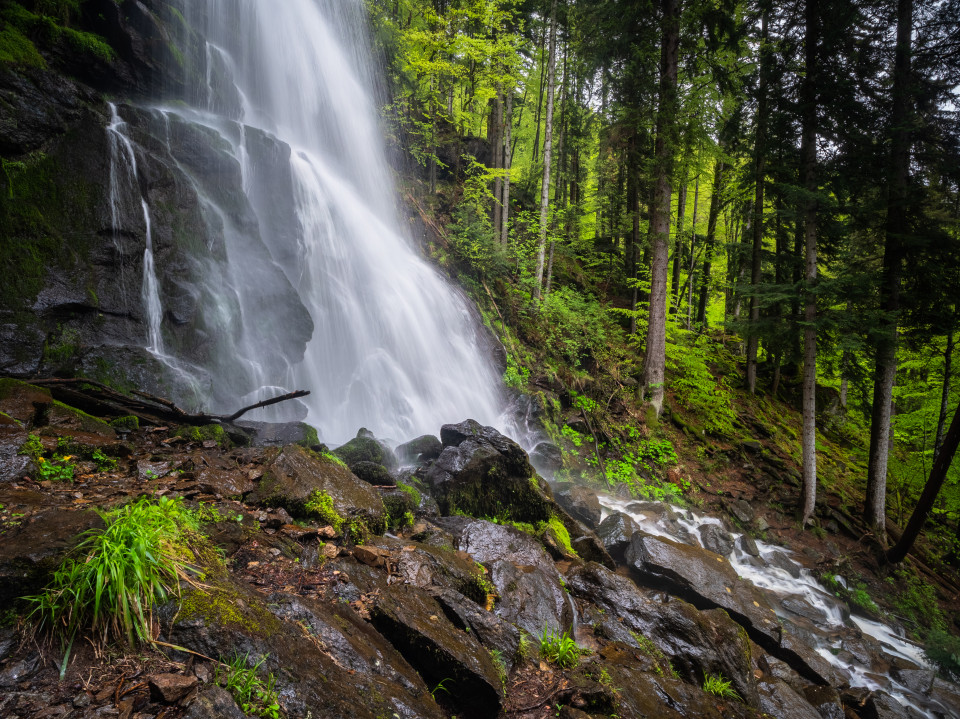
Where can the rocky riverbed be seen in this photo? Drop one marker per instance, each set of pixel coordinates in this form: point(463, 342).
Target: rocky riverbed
point(424, 594)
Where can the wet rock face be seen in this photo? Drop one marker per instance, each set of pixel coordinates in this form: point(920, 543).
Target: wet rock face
point(417, 625)
point(697, 643)
point(525, 577)
point(29, 555)
point(716, 539)
point(781, 702)
point(231, 618)
point(366, 448)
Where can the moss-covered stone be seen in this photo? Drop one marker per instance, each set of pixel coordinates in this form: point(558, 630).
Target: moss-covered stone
point(128, 423)
point(204, 433)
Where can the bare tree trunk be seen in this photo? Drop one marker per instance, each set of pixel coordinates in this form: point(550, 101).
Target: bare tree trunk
point(753, 339)
point(930, 491)
point(547, 142)
point(507, 163)
point(693, 245)
point(656, 345)
point(712, 218)
point(496, 150)
point(896, 226)
point(808, 161)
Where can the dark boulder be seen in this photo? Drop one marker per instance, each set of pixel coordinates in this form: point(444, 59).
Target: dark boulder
point(420, 450)
point(580, 502)
point(826, 700)
point(716, 539)
point(214, 702)
point(747, 545)
point(615, 532)
point(278, 434)
point(492, 632)
point(418, 627)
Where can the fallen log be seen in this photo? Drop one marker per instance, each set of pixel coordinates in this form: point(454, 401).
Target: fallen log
point(99, 399)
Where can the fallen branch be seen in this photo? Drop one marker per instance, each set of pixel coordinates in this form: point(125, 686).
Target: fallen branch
point(105, 400)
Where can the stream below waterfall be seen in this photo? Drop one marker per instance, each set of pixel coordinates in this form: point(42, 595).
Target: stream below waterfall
point(798, 598)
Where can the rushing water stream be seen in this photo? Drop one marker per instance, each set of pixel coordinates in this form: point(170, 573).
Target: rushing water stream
point(784, 579)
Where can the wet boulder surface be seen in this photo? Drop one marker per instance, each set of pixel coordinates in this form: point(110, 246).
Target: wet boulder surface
point(440, 616)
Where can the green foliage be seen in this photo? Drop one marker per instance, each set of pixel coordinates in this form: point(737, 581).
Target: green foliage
point(943, 650)
point(57, 469)
point(207, 432)
point(697, 389)
point(562, 650)
point(916, 601)
point(576, 327)
point(111, 581)
point(255, 696)
point(320, 504)
point(33, 447)
point(129, 423)
point(720, 687)
point(103, 462)
point(411, 492)
point(497, 656)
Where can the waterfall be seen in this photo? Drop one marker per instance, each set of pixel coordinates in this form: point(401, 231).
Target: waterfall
point(394, 347)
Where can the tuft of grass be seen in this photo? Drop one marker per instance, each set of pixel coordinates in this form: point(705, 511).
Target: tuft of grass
point(255, 696)
point(560, 649)
point(111, 581)
point(720, 687)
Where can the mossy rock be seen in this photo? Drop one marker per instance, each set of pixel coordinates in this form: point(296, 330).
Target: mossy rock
point(204, 433)
point(128, 423)
point(61, 416)
point(293, 474)
point(20, 400)
point(365, 448)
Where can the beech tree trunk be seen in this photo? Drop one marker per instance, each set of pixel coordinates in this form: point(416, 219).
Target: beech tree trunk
point(678, 241)
point(808, 162)
point(656, 344)
point(753, 339)
point(507, 163)
point(944, 394)
point(547, 147)
point(896, 226)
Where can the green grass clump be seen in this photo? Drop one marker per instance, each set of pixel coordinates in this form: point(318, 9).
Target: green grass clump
point(320, 504)
point(720, 687)
point(111, 581)
point(255, 696)
point(562, 650)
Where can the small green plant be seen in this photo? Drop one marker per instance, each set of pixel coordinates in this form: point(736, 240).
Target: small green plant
point(254, 695)
point(441, 687)
point(560, 649)
point(111, 581)
point(523, 648)
point(33, 447)
point(497, 656)
point(720, 687)
point(320, 504)
point(103, 462)
point(57, 469)
point(411, 492)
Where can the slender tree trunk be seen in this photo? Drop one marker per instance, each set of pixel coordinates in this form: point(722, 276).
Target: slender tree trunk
point(496, 150)
point(693, 245)
point(547, 147)
point(808, 162)
point(656, 344)
point(678, 241)
point(944, 394)
point(714, 216)
point(543, 70)
point(507, 163)
point(930, 491)
point(753, 338)
point(896, 228)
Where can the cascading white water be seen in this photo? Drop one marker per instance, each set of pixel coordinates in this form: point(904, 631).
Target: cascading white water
point(123, 179)
point(394, 348)
point(800, 583)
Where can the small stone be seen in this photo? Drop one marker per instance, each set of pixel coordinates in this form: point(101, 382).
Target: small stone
point(330, 551)
point(274, 551)
point(82, 700)
point(171, 688)
point(326, 532)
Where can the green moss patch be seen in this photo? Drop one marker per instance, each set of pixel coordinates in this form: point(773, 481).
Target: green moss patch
point(205, 433)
